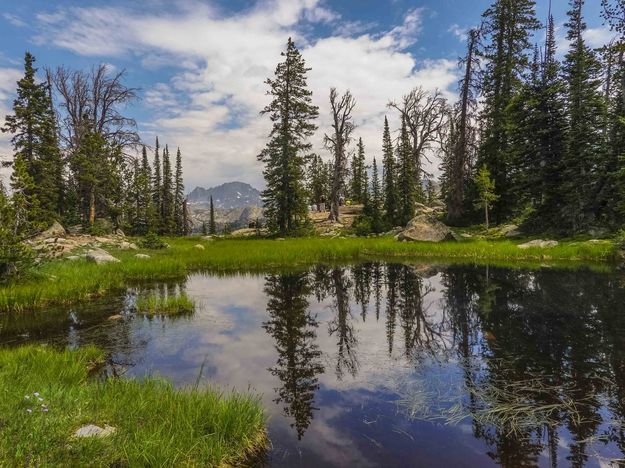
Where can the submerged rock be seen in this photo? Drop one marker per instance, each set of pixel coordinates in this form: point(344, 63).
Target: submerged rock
point(426, 228)
point(91, 430)
point(100, 257)
point(539, 243)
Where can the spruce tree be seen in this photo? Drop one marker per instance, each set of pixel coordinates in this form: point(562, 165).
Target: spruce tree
point(389, 175)
point(204, 229)
point(35, 146)
point(167, 196)
point(24, 200)
point(316, 179)
point(508, 26)
point(375, 201)
point(179, 197)
point(406, 178)
point(487, 193)
point(212, 227)
point(292, 114)
point(157, 189)
point(585, 108)
point(144, 219)
point(359, 173)
point(14, 257)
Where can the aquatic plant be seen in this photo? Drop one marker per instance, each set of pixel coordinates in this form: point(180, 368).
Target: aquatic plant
point(154, 304)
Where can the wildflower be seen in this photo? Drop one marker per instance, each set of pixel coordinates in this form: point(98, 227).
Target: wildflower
point(27, 397)
point(36, 394)
point(29, 410)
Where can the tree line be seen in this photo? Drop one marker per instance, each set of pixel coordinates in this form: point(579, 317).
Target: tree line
point(531, 138)
point(75, 161)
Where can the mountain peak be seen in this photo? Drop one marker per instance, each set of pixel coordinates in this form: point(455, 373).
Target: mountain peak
point(227, 196)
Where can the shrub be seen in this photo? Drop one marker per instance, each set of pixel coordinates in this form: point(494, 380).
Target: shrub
point(153, 242)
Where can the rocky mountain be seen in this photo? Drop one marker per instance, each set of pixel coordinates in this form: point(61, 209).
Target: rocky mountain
point(226, 196)
point(237, 204)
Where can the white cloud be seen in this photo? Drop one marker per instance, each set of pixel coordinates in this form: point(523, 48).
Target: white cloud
point(14, 20)
point(8, 79)
point(458, 31)
point(210, 108)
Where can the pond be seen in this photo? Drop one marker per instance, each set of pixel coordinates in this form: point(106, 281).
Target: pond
point(388, 364)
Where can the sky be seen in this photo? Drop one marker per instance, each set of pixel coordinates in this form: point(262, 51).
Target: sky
point(200, 65)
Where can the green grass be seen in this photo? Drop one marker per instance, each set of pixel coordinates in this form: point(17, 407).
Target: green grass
point(154, 305)
point(65, 282)
point(156, 425)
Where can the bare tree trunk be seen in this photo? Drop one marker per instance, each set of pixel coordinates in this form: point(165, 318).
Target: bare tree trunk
point(91, 207)
point(337, 143)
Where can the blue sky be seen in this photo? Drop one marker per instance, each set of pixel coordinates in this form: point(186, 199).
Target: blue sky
point(200, 64)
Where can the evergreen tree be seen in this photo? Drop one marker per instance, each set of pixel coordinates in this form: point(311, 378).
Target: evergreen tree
point(391, 198)
point(487, 194)
point(25, 201)
point(167, 196)
point(14, 257)
point(179, 217)
point(35, 145)
point(157, 189)
point(292, 114)
point(316, 179)
point(358, 186)
point(375, 201)
point(204, 229)
point(585, 107)
point(212, 227)
point(145, 213)
point(406, 178)
point(509, 26)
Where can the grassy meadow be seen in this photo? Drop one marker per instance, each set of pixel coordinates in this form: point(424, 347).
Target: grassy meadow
point(60, 282)
point(46, 395)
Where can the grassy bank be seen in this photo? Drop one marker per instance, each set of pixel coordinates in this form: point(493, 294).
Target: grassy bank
point(64, 282)
point(46, 395)
point(154, 305)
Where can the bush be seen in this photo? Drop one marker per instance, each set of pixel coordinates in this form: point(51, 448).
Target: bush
point(101, 227)
point(153, 242)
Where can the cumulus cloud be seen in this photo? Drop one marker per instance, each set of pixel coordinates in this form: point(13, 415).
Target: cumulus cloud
point(210, 107)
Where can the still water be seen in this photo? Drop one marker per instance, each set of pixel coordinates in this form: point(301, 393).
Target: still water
point(388, 364)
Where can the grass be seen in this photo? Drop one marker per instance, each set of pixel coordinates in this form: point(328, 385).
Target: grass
point(156, 425)
point(154, 305)
point(66, 282)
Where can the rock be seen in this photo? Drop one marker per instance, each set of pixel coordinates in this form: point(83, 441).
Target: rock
point(421, 209)
point(142, 256)
point(199, 247)
point(128, 246)
point(75, 230)
point(510, 230)
point(247, 232)
point(426, 228)
point(466, 235)
point(208, 238)
point(539, 243)
point(72, 258)
point(54, 231)
point(115, 318)
point(280, 239)
point(91, 430)
point(99, 257)
point(437, 204)
point(118, 232)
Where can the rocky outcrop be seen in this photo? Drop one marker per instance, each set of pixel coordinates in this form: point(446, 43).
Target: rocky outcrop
point(426, 228)
point(510, 231)
point(54, 231)
point(100, 257)
point(539, 243)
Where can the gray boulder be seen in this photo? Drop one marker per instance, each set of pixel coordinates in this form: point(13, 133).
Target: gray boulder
point(91, 430)
point(54, 231)
point(426, 228)
point(100, 257)
point(142, 256)
point(539, 243)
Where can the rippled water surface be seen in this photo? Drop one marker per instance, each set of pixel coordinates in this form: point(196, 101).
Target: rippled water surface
point(389, 365)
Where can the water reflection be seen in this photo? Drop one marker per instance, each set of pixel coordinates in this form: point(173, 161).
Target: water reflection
point(390, 364)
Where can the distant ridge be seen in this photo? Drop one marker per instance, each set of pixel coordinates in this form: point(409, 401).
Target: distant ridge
point(227, 196)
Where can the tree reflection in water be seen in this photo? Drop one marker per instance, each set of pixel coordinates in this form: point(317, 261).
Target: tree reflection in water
point(541, 353)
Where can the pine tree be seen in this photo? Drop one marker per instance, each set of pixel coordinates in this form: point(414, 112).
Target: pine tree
point(406, 178)
point(25, 202)
point(375, 201)
point(145, 213)
point(316, 179)
point(509, 26)
point(167, 196)
point(14, 257)
point(391, 199)
point(292, 114)
point(585, 108)
point(204, 229)
point(179, 197)
point(157, 189)
point(359, 172)
point(212, 227)
point(487, 193)
point(35, 145)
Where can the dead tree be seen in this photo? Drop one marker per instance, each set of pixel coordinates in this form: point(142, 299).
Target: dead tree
point(425, 115)
point(337, 143)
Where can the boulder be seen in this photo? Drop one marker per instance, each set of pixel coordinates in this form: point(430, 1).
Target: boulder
point(421, 209)
point(118, 232)
point(142, 256)
point(199, 247)
point(510, 230)
point(539, 243)
point(91, 430)
point(73, 258)
point(54, 231)
point(99, 257)
point(128, 246)
point(427, 229)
